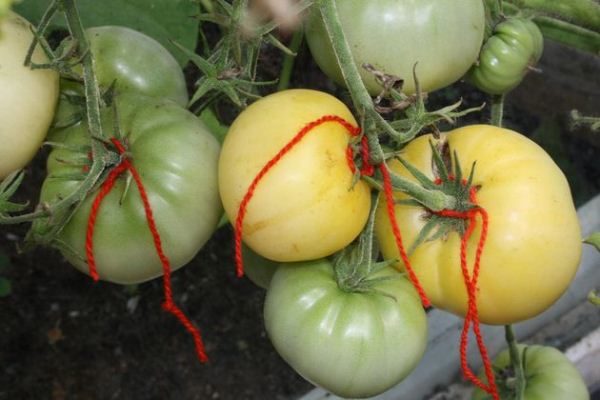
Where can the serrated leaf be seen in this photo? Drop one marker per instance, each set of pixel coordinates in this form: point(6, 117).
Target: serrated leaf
point(594, 240)
point(163, 20)
point(5, 287)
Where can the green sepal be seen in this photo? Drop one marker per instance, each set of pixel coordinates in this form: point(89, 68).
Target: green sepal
point(594, 240)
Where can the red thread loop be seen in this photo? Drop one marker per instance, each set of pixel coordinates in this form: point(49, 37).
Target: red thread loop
point(367, 169)
point(168, 304)
point(472, 315)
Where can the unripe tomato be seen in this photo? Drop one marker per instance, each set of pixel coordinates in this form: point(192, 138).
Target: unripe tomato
point(549, 375)
point(135, 62)
point(354, 344)
point(176, 158)
point(516, 46)
point(443, 36)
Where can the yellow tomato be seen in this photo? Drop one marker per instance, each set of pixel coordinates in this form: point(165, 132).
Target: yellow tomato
point(533, 244)
point(27, 97)
point(307, 206)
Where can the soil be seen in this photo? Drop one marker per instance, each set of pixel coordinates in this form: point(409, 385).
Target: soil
point(64, 337)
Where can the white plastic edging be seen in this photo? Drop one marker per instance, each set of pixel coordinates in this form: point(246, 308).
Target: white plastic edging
point(440, 364)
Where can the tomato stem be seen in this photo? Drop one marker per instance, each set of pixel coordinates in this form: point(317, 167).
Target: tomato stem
point(580, 12)
point(497, 111)
point(516, 362)
point(289, 59)
point(372, 120)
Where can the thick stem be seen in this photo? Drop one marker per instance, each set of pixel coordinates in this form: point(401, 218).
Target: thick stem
point(569, 34)
point(516, 362)
point(434, 200)
point(579, 12)
point(288, 60)
point(360, 96)
point(92, 91)
point(497, 112)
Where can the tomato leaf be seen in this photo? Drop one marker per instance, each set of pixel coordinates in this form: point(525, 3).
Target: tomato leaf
point(163, 20)
point(594, 240)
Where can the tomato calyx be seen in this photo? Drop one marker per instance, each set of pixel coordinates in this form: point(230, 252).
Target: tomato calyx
point(450, 181)
point(354, 265)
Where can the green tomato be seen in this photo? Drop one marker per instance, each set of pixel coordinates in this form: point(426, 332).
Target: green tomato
point(176, 157)
point(135, 62)
point(27, 97)
point(352, 344)
point(549, 375)
point(443, 36)
point(258, 269)
point(506, 57)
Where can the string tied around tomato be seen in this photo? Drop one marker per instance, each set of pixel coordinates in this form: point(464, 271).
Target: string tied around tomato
point(366, 169)
point(168, 305)
point(471, 280)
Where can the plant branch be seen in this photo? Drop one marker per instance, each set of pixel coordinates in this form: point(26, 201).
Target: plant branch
point(516, 362)
point(579, 12)
point(289, 59)
point(497, 111)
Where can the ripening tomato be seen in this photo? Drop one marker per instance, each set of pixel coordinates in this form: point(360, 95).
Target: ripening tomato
point(533, 242)
point(27, 97)
point(307, 206)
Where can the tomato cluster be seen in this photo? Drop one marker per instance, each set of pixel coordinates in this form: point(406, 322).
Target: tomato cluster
point(330, 216)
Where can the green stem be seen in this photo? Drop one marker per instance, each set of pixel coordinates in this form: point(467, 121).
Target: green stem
point(516, 362)
point(99, 152)
point(372, 120)
point(497, 112)
point(579, 12)
point(434, 200)
point(208, 5)
point(288, 60)
point(360, 96)
point(41, 28)
point(569, 34)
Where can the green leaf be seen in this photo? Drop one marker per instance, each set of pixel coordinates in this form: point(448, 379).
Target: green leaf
point(594, 240)
point(164, 20)
point(5, 287)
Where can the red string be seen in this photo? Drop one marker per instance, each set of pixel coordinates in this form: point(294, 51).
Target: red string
point(168, 304)
point(472, 315)
point(389, 199)
point(367, 169)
